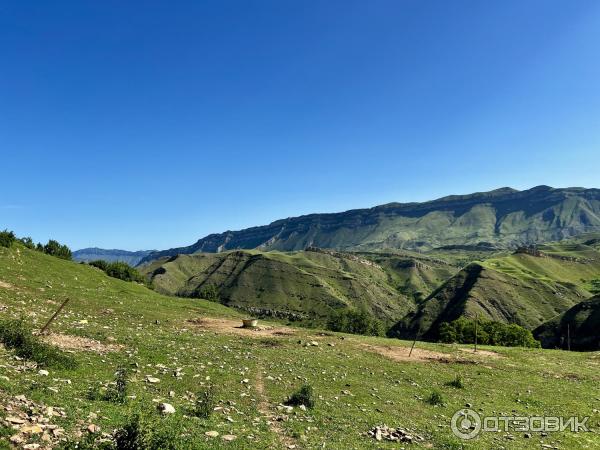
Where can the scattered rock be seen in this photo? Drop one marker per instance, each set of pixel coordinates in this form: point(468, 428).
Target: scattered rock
point(385, 433)
point(229, 437)
point(152, 380)
point(166, 408)
point(212, 434)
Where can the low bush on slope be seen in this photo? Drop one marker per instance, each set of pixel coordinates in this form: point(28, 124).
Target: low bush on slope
point(463, 331)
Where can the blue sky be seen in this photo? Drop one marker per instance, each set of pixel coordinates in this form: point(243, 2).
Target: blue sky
point(142, 125)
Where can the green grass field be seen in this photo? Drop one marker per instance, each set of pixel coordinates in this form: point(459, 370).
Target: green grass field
point(357, 382)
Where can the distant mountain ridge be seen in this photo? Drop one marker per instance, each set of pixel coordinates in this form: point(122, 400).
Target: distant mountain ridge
point(92, 254)
point(504, 218)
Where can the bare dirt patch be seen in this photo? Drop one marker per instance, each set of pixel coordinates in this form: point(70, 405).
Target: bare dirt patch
point(486, 353)
point(5, 285)
point(68, 342)
point(228, 326)
point(418, 354)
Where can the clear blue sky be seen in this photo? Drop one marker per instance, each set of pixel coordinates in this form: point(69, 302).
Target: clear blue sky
point(150, 124)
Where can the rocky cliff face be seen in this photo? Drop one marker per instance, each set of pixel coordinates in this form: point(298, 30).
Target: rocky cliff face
point(500, 218)
point(93, 254)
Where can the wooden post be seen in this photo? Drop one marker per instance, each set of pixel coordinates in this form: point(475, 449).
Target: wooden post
point(45, 327)
point(476, 323)
point(415, 341)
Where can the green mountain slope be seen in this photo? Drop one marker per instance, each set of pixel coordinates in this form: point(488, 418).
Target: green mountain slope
point(504, 218)
point(174, 348)
point(527, 288)
point(308, 284)
point(581, 323)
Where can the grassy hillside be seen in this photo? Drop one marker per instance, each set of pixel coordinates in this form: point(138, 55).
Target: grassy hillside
point(310, 284)
point(523, 288)
point(186, 344)
point(503, 218)
point(581, 323)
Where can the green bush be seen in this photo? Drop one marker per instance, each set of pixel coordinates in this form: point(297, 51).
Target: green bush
point(356, 322)
point(304, 396)
point(205, 403)
point(118, 269)
point(117, 393)
point(209, 292)
point(16, 335)
point(55, 248)
point(27, 242)
point(142, 432)
point(456, 383)
point(435, 398)
point(7, 238)
point(462, 331)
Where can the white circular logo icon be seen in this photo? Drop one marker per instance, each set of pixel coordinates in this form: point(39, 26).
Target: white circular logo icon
point(466, 424)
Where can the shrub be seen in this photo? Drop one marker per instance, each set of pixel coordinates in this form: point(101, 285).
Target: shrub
point(27, 242)
point(205, 403)
point(118, 269)
point(16, 335)
point(356, 322)
point(55, 248)
point(117, 393)
point(456, 383)
point(435, 398)
point(462, 331)
point(304, 396)
point(7, 238)
point(209, 292)
point(142, 432)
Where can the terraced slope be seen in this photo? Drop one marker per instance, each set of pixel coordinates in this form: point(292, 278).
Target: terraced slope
point(523, 288)
point(310, 284)
point(581, 323)
point(500, 218)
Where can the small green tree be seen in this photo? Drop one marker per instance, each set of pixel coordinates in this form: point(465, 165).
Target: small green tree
point(27, 242)
point(55, 248)
point(209, 292)
point(7, 238)
point(356, 322)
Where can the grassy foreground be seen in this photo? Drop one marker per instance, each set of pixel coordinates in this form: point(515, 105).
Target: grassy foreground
point(356, 380)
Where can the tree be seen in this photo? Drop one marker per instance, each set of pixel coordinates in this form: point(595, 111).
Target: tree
point(462, 331)
point(54, 248)
point(356, 322)
point(27, 242)
point(7, 238)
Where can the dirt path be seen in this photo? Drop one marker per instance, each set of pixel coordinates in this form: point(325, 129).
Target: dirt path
point(264, 408)
point(234, 327)
point(418, 354)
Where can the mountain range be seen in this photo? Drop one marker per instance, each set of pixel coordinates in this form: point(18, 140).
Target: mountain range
point(503, 218)
point(93, 254)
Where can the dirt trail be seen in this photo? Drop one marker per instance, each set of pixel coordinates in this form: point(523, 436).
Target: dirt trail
point(264, 408)
point(234, 327)
point(418, 354)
